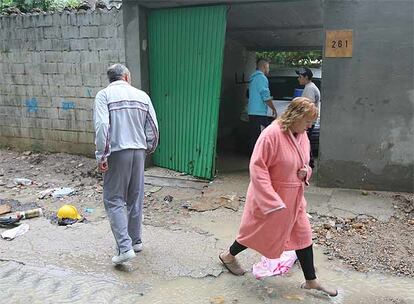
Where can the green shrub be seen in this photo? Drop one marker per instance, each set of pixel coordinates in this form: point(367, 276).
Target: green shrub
point(45, 5)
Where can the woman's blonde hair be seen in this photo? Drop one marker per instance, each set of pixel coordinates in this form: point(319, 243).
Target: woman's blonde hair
point(297, 109)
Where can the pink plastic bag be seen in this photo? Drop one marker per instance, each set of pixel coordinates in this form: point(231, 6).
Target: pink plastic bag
point(270, 267)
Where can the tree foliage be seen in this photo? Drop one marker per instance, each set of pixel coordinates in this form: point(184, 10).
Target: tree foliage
point(293, 59)
point(26, 6)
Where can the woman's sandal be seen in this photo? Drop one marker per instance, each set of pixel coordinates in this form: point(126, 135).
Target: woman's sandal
point(234, 267)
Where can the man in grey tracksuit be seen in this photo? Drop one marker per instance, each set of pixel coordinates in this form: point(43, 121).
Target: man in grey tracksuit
point(126, 129)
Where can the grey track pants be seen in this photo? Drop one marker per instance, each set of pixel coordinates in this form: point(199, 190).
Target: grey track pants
point(123, 195)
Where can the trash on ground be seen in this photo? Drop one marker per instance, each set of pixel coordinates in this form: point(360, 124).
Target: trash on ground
point(62, 192)
point(89, 210)
point(211, 203)
point(23, 181)
point(271, 267)
point(29, 213)
point(46, 193)
point(186, 205)
point(15, 232)
point(5, 209)
point(7, 222)
point(168, 199)
point(154, 189)
point(67, 221)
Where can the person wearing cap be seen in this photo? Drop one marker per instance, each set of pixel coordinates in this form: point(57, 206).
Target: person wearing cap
point(126, 130)
point(259, 101)
point(311, 92)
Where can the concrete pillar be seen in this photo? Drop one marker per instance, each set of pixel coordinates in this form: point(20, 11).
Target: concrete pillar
point(136, 48)
point(367, 121)
point(136, 43)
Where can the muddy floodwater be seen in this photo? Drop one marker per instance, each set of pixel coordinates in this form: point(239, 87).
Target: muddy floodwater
point(184, 274)
point(182, 237)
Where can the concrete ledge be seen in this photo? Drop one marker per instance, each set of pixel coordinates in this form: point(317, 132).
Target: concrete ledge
point(347, 203)
point(48, 145)
point(343, 174)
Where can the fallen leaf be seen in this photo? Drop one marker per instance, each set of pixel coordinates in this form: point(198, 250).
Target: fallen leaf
point(217, 300)
point(293, 297)
point(207, 203)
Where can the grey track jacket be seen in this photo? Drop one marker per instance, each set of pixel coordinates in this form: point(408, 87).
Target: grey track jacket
point(124, 119)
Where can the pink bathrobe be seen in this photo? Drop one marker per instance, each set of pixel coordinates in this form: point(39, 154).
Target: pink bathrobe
point(266, 226)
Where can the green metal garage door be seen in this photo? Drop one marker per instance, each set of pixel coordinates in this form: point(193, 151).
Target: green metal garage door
point(186, 47)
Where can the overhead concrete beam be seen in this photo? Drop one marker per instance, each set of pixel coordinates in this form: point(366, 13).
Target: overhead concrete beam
point(274, 28)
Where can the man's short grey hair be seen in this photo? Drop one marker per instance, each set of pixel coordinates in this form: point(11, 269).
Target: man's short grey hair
point(116, 72)
point(261, 62)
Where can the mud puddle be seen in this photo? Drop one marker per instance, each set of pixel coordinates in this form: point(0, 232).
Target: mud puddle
point(25, 283)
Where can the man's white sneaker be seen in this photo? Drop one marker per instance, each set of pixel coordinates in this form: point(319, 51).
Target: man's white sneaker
point(123, 257)
point(137, 247)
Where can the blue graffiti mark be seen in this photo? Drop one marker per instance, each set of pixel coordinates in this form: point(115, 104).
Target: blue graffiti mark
point(89, 92)
point(32, 105)
point(68, 105)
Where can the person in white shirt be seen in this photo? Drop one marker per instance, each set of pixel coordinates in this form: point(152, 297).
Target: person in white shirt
point(311, 92)
point(126, 129)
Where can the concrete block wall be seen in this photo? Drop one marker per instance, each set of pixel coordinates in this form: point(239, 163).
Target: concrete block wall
point(51, 67)
point(367, 119)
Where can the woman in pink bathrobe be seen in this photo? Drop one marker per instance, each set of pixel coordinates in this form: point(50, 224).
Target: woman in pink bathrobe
point(274, 217)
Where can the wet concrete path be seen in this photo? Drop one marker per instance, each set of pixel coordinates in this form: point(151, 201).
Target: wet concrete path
point(179, 264)
point(71, 264)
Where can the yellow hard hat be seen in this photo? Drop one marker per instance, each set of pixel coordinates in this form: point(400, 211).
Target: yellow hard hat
point(68, 211)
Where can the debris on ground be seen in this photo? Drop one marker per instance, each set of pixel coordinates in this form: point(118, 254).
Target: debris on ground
point(7, 222)
point(362, 242)
point(22, 181)
point(367, 244)
point(17, 205)
point(46, 193)
point(217, 300)
point(29, 213)
point(273, 267)
point(5, 209)
point(11, 234)
point(293, 297)
point(153, 190)
point(68, 221)
point(62, 192)
point(168, 199)
point(207, 203)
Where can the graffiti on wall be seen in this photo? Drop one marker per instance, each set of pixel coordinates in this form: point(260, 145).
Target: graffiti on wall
point(68, 105)
point(32, 105)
